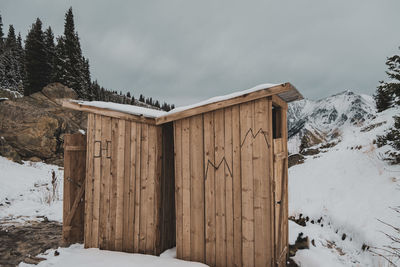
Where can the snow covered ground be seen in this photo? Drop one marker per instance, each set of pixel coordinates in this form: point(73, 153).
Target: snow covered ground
point(350, 187)
point(26, 191)
point(76, 256)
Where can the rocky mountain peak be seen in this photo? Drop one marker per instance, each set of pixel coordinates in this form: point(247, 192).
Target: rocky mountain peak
point(318, 121)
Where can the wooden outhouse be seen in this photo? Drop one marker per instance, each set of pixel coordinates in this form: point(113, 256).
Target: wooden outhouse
point(129, 187)
point(231, 177)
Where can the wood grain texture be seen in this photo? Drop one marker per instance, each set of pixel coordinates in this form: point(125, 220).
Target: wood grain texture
point(113, 190)
point(132, 189)
point(228, 149)
point(138, 187)
point(197, 189)
point(186, 249)
point(220, 189)
point(178, 187)
point(89, 182)
point(237, 187)
point(150, 201)
point(246, 123)
point(105, 181)
point(127, 190)
point(209, 187)
point(262, 198)
point(120, 185)
point(144, 187)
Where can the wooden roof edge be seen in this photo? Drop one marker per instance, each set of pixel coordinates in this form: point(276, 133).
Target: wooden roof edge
point(274, 90)
point(298, 95)
point(107, 112)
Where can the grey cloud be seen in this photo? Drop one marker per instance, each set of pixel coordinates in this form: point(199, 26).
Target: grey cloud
point(185, 51)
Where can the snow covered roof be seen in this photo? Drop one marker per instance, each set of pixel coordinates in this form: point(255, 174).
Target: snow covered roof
point(223, 97)
point(129, 109)
point(286, 91)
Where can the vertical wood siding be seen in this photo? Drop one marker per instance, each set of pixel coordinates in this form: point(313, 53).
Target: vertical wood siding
point(129, 199)
point(225, 202)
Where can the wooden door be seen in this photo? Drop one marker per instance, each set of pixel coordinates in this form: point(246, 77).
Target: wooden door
point(281, 205)
point(74, 188)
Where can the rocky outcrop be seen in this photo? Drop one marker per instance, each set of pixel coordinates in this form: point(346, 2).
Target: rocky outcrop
point(34, 126)
point(8, 151)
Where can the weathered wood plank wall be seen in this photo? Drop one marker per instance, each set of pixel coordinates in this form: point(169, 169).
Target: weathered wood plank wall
point(226, 215)
point(129, 186)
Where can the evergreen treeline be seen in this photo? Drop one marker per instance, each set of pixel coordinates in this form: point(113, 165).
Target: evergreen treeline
point(45, 59)
point(387, 96)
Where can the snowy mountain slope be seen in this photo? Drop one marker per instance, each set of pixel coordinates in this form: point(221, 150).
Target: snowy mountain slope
point(322, 120)
point(349, 186)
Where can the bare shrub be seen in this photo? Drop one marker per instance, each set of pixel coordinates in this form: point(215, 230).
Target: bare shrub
point(391, 253)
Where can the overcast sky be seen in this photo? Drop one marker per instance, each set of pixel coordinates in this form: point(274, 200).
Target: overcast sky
point(185, 51)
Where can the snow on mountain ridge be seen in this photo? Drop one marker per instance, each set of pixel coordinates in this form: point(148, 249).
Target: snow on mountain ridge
point(323, 120)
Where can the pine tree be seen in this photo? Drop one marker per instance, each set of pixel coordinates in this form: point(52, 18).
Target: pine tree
point(11, 40)
point(383, 99)
point(60, 61)
point(1, 34)
point(11, 69)
point(388, 93)
point(70, 64)
point(35, 59)
point(21, 63)
point(50, 70)
point(393, 73)
point(87, 79)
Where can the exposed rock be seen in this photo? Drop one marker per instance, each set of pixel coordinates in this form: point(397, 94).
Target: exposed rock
point(310, 151)
point(8, 151)
point(35, 159)
point(34, 125)
point(295, 159)
point(372, 126)
point(310, 139)
point(301, 243)
point(329, 145)
point(300, 220)
point(55, 91)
